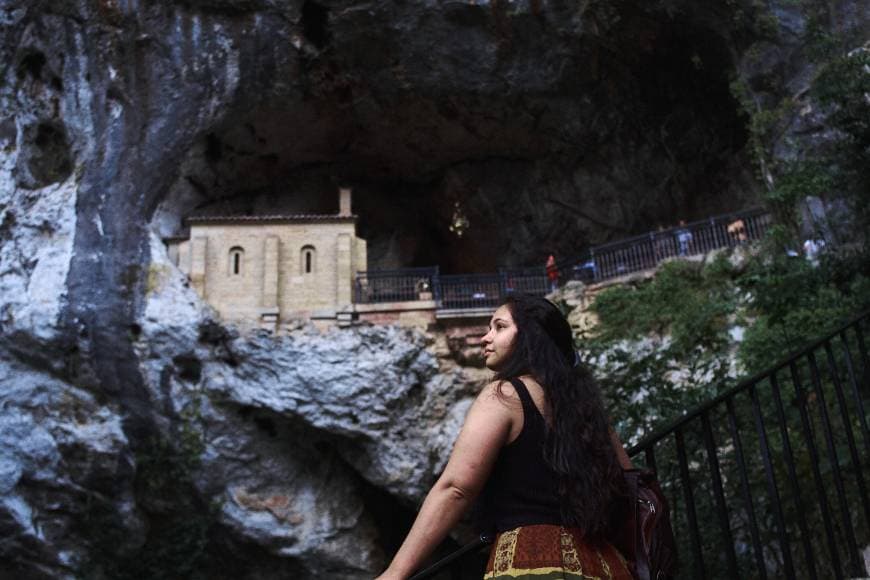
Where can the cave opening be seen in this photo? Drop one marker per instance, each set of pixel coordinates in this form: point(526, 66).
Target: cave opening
point(31, 64)
point(46, 157)
point(655, 135)
point(315, 23)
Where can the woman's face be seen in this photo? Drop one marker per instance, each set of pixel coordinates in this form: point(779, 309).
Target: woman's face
point(498, 343)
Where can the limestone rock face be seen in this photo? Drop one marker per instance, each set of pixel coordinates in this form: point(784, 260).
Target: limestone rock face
point(62, 452)
point(136, 430)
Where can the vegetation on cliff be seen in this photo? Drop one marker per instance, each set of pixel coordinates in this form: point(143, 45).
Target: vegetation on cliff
point(680, 338)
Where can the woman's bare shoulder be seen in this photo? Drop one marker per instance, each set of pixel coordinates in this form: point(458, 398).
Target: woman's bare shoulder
point(500, 392)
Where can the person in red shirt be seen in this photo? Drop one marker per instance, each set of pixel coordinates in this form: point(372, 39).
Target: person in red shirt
point(552, 273)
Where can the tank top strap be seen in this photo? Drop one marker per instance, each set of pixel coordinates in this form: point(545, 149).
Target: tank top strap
point(529, 406)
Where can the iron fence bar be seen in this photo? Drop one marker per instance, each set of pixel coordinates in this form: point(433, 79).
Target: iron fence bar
point(719, 496)
point(596, 276)
point(862, 348)
point(821, 492)
point(647, 250)
point(847, 428)
point(666, 430)
point(782, 533)
point(379, 286)
point(650, 459)
point(752, 229)
point(744, 487)
point(450, 559)
point(690, 505)
point(705, 239)
point(835, 464)
point(792, 476)
point(856, 392)
point(721, 237)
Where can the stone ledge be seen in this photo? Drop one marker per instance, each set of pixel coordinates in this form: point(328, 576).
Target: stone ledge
point(395, 306)
point(446, 313)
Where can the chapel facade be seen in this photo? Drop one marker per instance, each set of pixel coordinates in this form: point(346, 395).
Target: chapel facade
point(265, 270)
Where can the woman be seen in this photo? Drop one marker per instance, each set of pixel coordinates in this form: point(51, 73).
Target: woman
point(537, 448)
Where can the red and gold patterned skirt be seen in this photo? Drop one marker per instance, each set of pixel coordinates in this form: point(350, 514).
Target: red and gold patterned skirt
point(546, 552)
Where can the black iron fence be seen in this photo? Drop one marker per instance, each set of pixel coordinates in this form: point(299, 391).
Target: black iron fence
point(769, 479)
point(464, 291)
point(648, 250)
point(404, 285)
point(598, 264)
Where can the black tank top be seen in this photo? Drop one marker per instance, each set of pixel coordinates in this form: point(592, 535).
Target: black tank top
point(522, 489)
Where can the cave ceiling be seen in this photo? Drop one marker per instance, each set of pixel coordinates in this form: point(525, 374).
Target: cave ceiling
point(547, 130)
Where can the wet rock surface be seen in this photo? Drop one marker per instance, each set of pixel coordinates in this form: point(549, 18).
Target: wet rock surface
point(139, 431)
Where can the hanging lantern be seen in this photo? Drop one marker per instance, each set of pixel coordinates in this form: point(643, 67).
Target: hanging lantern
point(458, 223)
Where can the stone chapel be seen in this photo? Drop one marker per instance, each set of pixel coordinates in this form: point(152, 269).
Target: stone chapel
point(266, 270)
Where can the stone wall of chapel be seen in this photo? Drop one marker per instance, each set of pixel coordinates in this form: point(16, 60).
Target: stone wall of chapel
point(360, 256)
point(241, 297)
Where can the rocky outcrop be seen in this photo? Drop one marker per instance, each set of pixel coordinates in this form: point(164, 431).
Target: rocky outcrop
point(280, 435)
point(63, 451)
point(138, 431)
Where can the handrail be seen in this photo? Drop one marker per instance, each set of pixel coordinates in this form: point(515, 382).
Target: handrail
point(664, 431)
point(646, 251)
point(826, 382)
point(714, 220)
point(481, 541)
point(599, 263)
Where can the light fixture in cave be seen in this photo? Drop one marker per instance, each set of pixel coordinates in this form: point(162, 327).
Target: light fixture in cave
point(458, 222)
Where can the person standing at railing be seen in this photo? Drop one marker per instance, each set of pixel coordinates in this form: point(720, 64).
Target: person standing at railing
point(684, 238)
point(737, 232)
point(536, 452)
point(552, 273)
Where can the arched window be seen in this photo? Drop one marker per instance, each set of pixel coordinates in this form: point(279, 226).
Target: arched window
point(236, 261)
point(308, 260)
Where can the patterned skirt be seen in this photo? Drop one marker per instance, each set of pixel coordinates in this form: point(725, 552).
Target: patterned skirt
point(547, 552)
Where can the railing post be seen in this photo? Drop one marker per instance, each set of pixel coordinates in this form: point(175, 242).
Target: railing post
point(847, 428)
point(502, 284)
point(595, 265)
point(845, 511)
point(686, 481)
point(719, 496)
point(809, 439)
point(792, 475)
point(744, 488)
point(767, 460)
point(856, 392)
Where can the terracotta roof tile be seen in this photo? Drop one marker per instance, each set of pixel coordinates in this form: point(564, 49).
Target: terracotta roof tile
point(302, 217)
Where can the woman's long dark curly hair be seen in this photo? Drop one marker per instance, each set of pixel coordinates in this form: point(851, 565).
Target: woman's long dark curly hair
point(578, 446)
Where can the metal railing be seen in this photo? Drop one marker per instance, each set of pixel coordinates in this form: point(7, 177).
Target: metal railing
point(526, 280)
point(471, 291)
point(462, 291)
point(648, 250)
point(767, 480)
point(488, 290)
point(598, 264)
point(404, 285)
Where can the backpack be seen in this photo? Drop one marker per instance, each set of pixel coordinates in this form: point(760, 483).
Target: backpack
point(641, 528)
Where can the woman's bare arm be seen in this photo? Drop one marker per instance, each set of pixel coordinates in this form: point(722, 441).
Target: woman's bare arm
point(624, 460)
point(486, 430)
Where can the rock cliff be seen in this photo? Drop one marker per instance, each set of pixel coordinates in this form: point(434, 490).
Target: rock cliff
point(138, 434)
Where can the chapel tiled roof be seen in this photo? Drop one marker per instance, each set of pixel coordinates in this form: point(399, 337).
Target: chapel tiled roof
point(280, 218)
